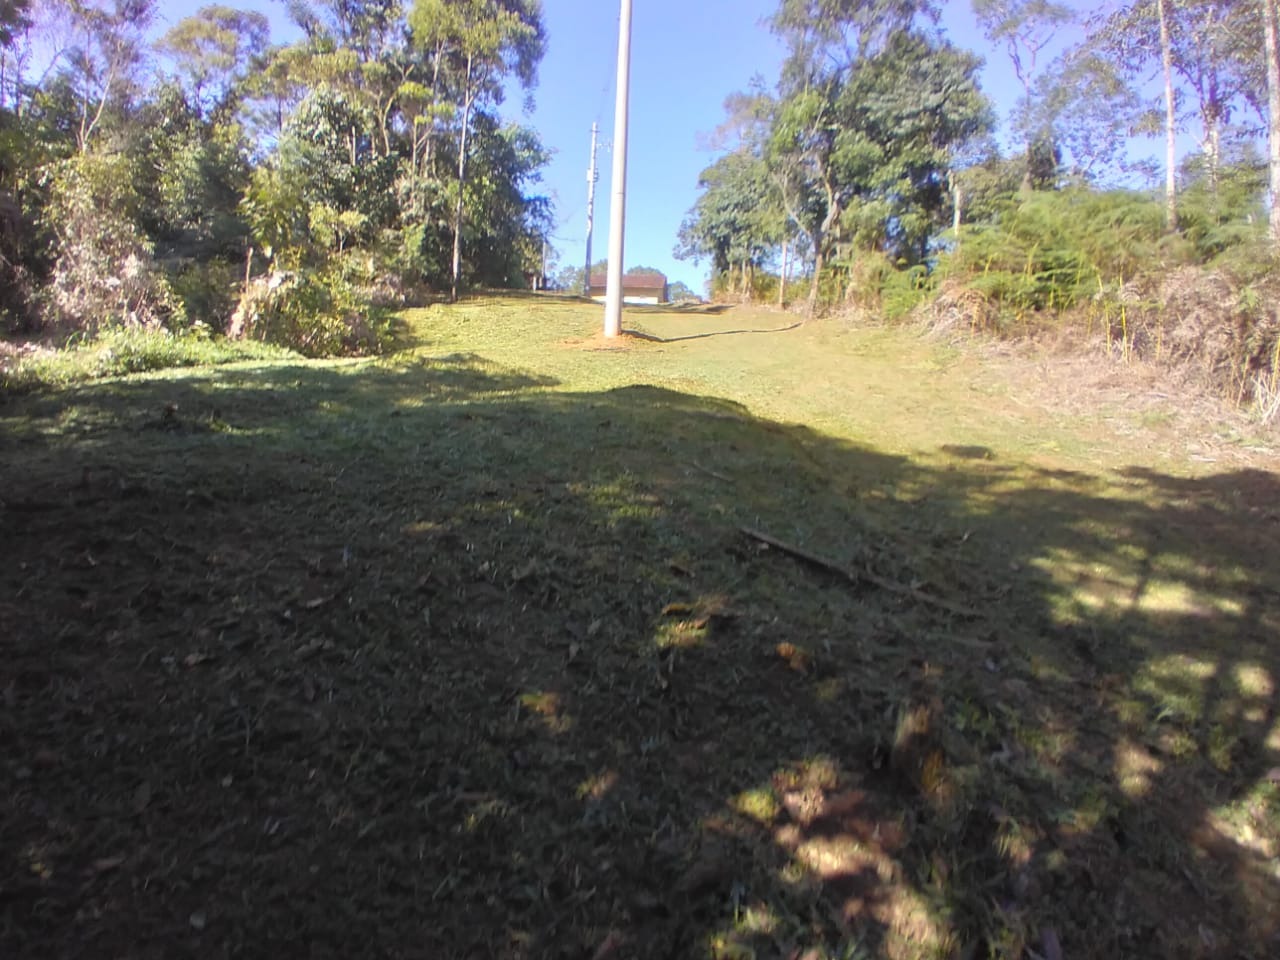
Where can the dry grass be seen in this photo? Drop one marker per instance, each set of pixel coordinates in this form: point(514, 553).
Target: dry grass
point(1192, 330)
point(462, 653)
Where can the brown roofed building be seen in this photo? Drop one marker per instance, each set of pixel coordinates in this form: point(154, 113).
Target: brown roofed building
point(637, 288)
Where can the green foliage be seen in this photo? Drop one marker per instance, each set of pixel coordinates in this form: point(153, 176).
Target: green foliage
point(866, 131)
point(105, 273)
point(213, 48)
point(13, 17)
point(324, 158)
point(317, 311)
point(506, 220)
point(206, 291)
point(123, 351)
point(1053, 250)
point(679, 290)
point(737, 219)
point(901, 291)
point(189, 208)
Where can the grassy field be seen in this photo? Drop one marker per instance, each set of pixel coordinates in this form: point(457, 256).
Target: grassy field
point(733, 639)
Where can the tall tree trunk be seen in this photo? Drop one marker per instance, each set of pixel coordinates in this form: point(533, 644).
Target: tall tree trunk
point(1273, 132)
point(431, 128)
point(1170, 122)
point(413, 171)
point(957, 204)
point(462, 183)
point(819, 261)
point(1029, 152)
point(782, 277)
point(1213, 154)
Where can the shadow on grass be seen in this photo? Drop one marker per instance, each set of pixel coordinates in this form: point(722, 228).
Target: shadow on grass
point(425, 658)
point(714, 333)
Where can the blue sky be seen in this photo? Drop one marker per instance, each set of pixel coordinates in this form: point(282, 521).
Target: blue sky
point(687, 56)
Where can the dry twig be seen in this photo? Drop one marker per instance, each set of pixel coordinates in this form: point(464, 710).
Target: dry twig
point(861, 576)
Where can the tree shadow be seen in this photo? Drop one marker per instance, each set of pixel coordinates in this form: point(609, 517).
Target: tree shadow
point(714, 333)
point(685, 310)
point(426, 658)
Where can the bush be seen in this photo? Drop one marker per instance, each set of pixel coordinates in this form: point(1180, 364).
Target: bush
point(121, 351)
point(205, 292)
point(105, 274)
point(317, 312)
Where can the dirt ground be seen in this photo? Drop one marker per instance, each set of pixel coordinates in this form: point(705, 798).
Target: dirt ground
point(455, 654)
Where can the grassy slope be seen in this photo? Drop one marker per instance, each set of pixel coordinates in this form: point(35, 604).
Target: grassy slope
point(463, 653)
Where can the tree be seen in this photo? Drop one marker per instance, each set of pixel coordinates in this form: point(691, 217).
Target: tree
point(1088, 108)
point(1212, 45)
point(189, 205)
point(213, 49)
point(13, 17)
point(868, 115)
point(737, 221)
point(505, 223)
point(1208, 57)
point(485, 41)
point(827, 40)
point(681, 291)
point(105, 272)
point(325, 189)
point(102, 61)
point(1026, 28)
point(16, 21)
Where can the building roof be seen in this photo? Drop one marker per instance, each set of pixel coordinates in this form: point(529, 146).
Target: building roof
point(633, 281)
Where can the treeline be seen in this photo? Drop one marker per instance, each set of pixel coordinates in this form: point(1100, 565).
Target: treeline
point(202, 177)
point(869, 169)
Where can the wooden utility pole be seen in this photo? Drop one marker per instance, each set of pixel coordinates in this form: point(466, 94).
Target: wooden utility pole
point(593, 177)
point(618, 210)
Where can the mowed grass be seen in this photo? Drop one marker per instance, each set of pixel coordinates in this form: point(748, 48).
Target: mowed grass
point(468, 652)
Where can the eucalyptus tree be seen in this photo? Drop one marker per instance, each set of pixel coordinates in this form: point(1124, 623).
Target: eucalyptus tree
point(101, 54)
point(213, 50)
point(737, 220)
point(826, 40)
point(1209, 57)
point(483, 42)
point(870, 109)
point(15, 19)
point(1026, 29)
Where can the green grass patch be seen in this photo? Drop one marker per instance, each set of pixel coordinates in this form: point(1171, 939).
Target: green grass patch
point(469, 639)
point(121, 352)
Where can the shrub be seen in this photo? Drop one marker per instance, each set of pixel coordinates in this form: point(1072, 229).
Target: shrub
point(105, 274)
point(124, 351)
point(318, 312)
point(206, 292)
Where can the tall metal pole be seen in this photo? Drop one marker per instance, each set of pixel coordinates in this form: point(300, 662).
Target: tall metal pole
point(618, 210)
point(593, 176)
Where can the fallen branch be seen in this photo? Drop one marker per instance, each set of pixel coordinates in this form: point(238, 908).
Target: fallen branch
point(709, 472)
point(861, 576)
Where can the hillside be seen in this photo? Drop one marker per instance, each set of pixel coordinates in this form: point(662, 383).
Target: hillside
point(736, 638)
